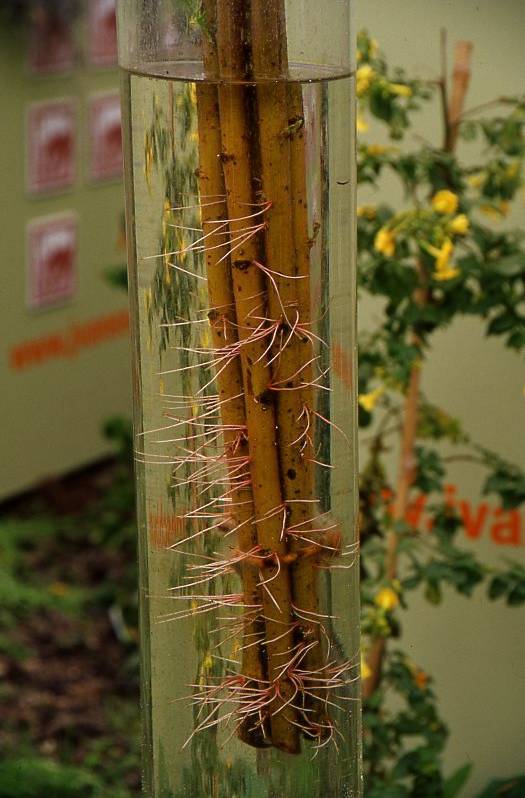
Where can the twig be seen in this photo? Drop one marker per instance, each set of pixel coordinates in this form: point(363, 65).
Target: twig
point(461, 80)
point(237, 130)
point(223, 328)
point(503, 100)
point(443, 86)
point(406, 469)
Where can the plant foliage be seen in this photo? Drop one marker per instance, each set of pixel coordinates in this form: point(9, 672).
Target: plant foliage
point(444, 252)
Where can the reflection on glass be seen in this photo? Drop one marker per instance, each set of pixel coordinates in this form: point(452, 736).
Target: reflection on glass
point(240, 207)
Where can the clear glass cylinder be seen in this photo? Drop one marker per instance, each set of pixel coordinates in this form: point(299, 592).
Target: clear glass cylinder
point(240, 181)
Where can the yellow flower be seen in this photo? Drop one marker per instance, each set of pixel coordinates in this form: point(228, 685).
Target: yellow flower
point(477, 180)
point(444, 271)
point(460, 224)
point(366, 670)
point(376, 149)
point(400, 89)
point(443, 254)
point(387, 599)
point(366, 212)
point(445, 201)
point(446, 274)
point(364, 77)
point(369, 400)
point(373, 48)
point(512, 170)
point(490, 212)
point(365, 72)
point(385, 242)
point(496, 212)
point(361, 125)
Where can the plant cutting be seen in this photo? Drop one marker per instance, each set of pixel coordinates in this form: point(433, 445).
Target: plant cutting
point(239, 191)
point(445, 252)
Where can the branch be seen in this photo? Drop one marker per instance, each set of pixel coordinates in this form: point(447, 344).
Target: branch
point(443, 87)
point(503, 100)
point(460, 84)
point(463, 458)
point(406, 472)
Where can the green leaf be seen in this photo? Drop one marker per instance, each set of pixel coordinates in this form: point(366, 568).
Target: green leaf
point(501, 324)
point(510, 266)
point(455, 783)
point(117, 276)
point(430, 470)
point(512, 787)
point(516, 339)
point(433, 593)
point(498, 587)
point(468, 130)
point(507, 480)
point(516, 596)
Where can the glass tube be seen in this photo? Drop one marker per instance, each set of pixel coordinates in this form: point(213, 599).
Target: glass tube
point(240, 181)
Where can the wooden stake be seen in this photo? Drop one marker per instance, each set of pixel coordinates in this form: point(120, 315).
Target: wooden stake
point(238, 129)
point(283, 172)
point(223, 320)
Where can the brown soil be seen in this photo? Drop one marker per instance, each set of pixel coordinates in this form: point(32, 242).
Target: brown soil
point(61, 690)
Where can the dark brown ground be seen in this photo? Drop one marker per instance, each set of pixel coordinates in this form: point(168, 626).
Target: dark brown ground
point(69, 683)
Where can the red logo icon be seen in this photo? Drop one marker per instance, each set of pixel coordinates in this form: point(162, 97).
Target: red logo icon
point(102, 32)
point(105, 137)
point(52, 255)
point(51, 46)
point(51, 146)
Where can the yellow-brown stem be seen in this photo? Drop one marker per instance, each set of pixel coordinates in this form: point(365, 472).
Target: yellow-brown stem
point(237, 129)
point(223, 322)
point(460, 84)
point(406, 473)
point(229, 380)
point(287, 249)
point(406, 468)
point(306, 572)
